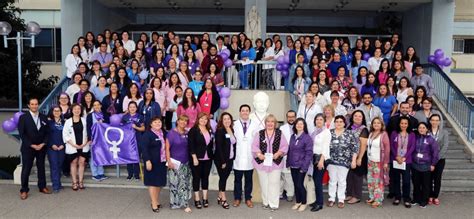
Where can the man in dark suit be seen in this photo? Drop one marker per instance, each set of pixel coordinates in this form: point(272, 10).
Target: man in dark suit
point(395, 120)
point(33, 131)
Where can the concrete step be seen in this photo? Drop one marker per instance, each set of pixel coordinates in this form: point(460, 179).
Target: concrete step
point(458, 174)
point(451, 154)
point(459, 164)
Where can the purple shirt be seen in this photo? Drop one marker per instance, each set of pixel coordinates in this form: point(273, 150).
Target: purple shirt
point(207, 138)
point(300, 152)
point(178, 146)
point(394, 147)
point(103, 58)
point(256, 149)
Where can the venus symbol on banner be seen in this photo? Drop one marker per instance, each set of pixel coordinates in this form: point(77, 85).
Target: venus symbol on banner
point(114, 149)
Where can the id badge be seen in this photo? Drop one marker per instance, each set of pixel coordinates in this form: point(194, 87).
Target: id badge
point(268, 162)
point(336, 141)
point(419, 155)
point(227, 136)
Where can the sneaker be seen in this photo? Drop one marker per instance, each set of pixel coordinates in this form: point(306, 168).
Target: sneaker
point(265, 207)
point(56, 191)
point(289, 199)
point(129, 178)
point(103, 177)
point(96, 178)
point(413, 203)
point(137, 178)
point(273, 209)
point(422, 206)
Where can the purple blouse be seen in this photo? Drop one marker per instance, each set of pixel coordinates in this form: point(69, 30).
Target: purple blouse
point(178, 146)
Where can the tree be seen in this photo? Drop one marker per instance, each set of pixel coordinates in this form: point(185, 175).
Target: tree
point(31, 72)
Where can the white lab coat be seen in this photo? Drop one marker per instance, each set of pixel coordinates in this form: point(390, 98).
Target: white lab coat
point(243, 154)
point(310, 114)
point(68, 135)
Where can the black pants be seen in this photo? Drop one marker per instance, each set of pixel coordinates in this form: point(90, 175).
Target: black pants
point(28, 156)
point(224, 174)
point(404, 175)
point(238, 175)
point(168, 118)
point(201, 175)
point(298, 182)
point(318, 185)
point(436, 178)
point(421, 184)
point(354, 184)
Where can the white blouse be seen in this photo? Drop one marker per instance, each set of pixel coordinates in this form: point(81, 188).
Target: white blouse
point(374, 149)
point(321, 143)
point(71, 64)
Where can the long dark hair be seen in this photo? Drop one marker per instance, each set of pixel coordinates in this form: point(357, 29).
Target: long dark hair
point(129, 93)
point(178, 82)
point(354, 61)
point(295, 76)
point(359, 77)
point(325, 80)
point(83, 101)
point(220, 124)
point(185, 103)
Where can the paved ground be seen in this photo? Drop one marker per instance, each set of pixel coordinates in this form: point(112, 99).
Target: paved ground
point(134, 203)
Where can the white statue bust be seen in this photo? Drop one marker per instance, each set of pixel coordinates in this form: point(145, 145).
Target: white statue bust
point(260, 104)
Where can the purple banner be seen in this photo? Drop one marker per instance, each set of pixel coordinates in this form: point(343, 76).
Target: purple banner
point(114, 145)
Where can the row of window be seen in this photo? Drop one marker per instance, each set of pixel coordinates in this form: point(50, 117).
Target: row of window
point(47, 45)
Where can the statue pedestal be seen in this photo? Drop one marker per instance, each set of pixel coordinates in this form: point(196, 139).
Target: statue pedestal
point(256, 191)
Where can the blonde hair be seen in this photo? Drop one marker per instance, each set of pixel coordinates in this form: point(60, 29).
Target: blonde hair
point(330, 107)
point(272, 118)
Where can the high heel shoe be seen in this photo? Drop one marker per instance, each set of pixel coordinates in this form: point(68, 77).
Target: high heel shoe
point(224, 204)
point(198, 204)
point(156, 210)
point(81, 185)
point(205, 203)
point(219, 200)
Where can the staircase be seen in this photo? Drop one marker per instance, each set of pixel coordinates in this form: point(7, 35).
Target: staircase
point(458, 175)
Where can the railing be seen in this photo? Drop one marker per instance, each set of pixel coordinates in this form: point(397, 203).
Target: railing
point(453, 100)
point(254, 76)
point(52, 98)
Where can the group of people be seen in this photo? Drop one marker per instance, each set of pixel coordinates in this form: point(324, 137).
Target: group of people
point(351, 118)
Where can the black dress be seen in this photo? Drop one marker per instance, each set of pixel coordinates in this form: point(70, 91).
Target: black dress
point(152, 152)
point(78, 128)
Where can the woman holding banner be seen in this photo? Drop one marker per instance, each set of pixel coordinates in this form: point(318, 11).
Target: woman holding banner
point(132, 117)
point(95, 117)
point(154, 157)
point(179, 173)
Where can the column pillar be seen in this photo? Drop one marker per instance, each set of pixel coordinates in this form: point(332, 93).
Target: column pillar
point(256, 19)
point(442, 23)
point(71, 26)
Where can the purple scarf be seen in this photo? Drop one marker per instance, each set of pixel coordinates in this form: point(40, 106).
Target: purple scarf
point(316, 132)
point(79, 97)
point(159, 133)
point(98, 116)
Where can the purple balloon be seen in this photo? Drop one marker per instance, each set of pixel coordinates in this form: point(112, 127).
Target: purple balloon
point(224, 103)
point(8, 125)
point(285, 66)
point(218, 88)
point(228, 63)
point(287, 59)
point(225, 92)
point(149, 50)
point(284, 73)
point(432, 59)
point(281, 60)
point(115, 119)
point(447, 62)
point(16, 117)
point(279, 67)
point(439, 61)
point(366, 56)
point(224, 56)
point(226, 51)
point(213, 125)
point(439, 53)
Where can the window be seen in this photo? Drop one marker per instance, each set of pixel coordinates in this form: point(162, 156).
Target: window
point(47, 45)
point(458, 45)
point(469, 46)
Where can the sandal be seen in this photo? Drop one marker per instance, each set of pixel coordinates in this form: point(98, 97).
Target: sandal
point(224, 204)
point(205, 203)
point(436, 201)
point(430, 201)
point(81, 185)
point(331, 204)
point(219, 200)
point(74, 187)
point(340, 205)
point(353, 200)
point(369, 201)
point(376, 204)
point(188, 210)
point(198, 204)
point(396, 202)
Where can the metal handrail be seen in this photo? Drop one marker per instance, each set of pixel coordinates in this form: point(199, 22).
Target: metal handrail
point(457, 105)
point(51, 99)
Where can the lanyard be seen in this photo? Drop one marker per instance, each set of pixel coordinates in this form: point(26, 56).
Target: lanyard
point(103, 57)
point(404, 144)
point(248, 125)
point(260, 121)
point(269, 140)
point(306, 110)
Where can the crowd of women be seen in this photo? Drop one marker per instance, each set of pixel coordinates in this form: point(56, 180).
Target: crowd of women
point(351, 118)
